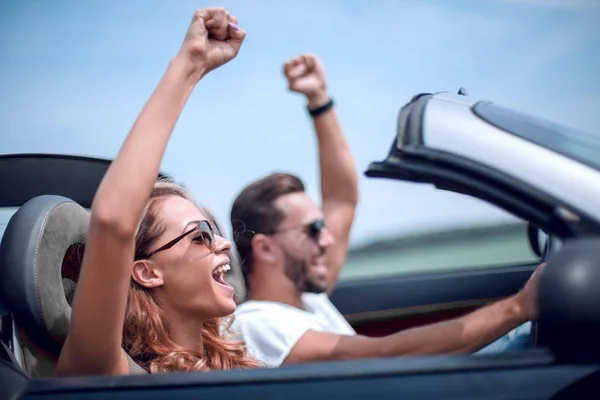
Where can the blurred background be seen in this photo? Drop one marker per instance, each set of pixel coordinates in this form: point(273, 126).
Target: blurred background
point(74, 76)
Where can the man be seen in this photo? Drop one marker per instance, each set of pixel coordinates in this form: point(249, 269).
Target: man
point(292, 260)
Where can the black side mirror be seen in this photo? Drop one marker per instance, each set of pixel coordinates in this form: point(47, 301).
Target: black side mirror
point(569, 302)
point(538, 240)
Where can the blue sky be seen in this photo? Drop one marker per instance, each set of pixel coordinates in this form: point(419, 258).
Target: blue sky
point(75, 74)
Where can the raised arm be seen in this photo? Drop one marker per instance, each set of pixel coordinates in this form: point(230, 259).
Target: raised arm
point(462, 335)
point(94, 342)
point(339, 181)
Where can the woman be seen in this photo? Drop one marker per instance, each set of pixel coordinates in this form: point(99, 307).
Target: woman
point(151, 279)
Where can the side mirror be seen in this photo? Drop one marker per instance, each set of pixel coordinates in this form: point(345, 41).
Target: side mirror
point(569, 302)
point(538, 240)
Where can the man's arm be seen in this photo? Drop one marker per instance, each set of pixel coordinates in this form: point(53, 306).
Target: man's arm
point(339, 181)
point(339, 185)
point(462, 335)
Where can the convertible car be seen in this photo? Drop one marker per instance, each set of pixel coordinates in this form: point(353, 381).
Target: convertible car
point(543, 173)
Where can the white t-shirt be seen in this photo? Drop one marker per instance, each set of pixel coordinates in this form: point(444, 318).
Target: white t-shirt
point(271, 329)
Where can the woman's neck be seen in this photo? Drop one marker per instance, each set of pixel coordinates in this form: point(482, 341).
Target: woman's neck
point(185, 331)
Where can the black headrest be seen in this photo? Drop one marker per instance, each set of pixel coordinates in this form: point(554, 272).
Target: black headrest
point(31, 258)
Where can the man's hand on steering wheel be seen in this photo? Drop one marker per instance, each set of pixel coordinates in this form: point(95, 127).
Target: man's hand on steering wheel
point(527, 298)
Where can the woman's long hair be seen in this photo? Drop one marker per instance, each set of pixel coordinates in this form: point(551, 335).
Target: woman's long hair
point(146, 335)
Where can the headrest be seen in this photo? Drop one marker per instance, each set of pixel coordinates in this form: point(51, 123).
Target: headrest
point(33, 248)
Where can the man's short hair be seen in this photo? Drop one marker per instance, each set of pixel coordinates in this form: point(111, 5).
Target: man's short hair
point(254, 211)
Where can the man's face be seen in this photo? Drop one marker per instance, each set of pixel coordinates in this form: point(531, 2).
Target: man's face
point(302, 242)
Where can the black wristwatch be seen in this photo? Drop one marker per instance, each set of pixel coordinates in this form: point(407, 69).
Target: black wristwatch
point(315, 112)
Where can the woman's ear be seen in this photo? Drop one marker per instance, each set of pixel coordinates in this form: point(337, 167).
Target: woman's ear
point(147, 274)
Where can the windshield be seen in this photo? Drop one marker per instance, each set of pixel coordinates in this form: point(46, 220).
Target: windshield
point(578, 145)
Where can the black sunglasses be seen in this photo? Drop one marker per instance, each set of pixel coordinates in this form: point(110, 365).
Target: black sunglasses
point(313, 229)
point(205, 232)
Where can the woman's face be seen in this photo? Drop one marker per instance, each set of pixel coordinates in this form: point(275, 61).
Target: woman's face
point(192, 275)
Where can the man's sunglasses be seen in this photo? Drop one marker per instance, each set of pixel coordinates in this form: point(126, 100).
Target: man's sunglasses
point(313, 229)
point(204, 231)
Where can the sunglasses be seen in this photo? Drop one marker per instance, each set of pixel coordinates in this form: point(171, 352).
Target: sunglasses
point(313, 229)
point(204, 232)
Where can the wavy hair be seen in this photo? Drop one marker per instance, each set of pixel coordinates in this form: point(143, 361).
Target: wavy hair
point(146, 335)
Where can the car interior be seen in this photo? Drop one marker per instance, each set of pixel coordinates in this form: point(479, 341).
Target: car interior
point(42, 246)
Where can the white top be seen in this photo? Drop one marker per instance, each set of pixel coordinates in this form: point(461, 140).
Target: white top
point(271, 329)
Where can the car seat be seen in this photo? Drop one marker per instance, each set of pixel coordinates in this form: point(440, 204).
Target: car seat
point(38, 247)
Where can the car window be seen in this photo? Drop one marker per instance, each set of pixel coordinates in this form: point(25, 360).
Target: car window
point(494, 239)
point(5, 214)
point(578, 145)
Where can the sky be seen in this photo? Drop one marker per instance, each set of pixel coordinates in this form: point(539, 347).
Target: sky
point(75, 74)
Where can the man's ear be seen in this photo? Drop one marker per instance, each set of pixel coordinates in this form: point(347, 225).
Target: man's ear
point(147, 274)
point(263, 249)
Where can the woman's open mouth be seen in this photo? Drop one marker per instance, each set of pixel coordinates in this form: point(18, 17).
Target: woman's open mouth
point(219, 275)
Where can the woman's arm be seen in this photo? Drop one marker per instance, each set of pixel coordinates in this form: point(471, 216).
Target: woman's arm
point(94, 342)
